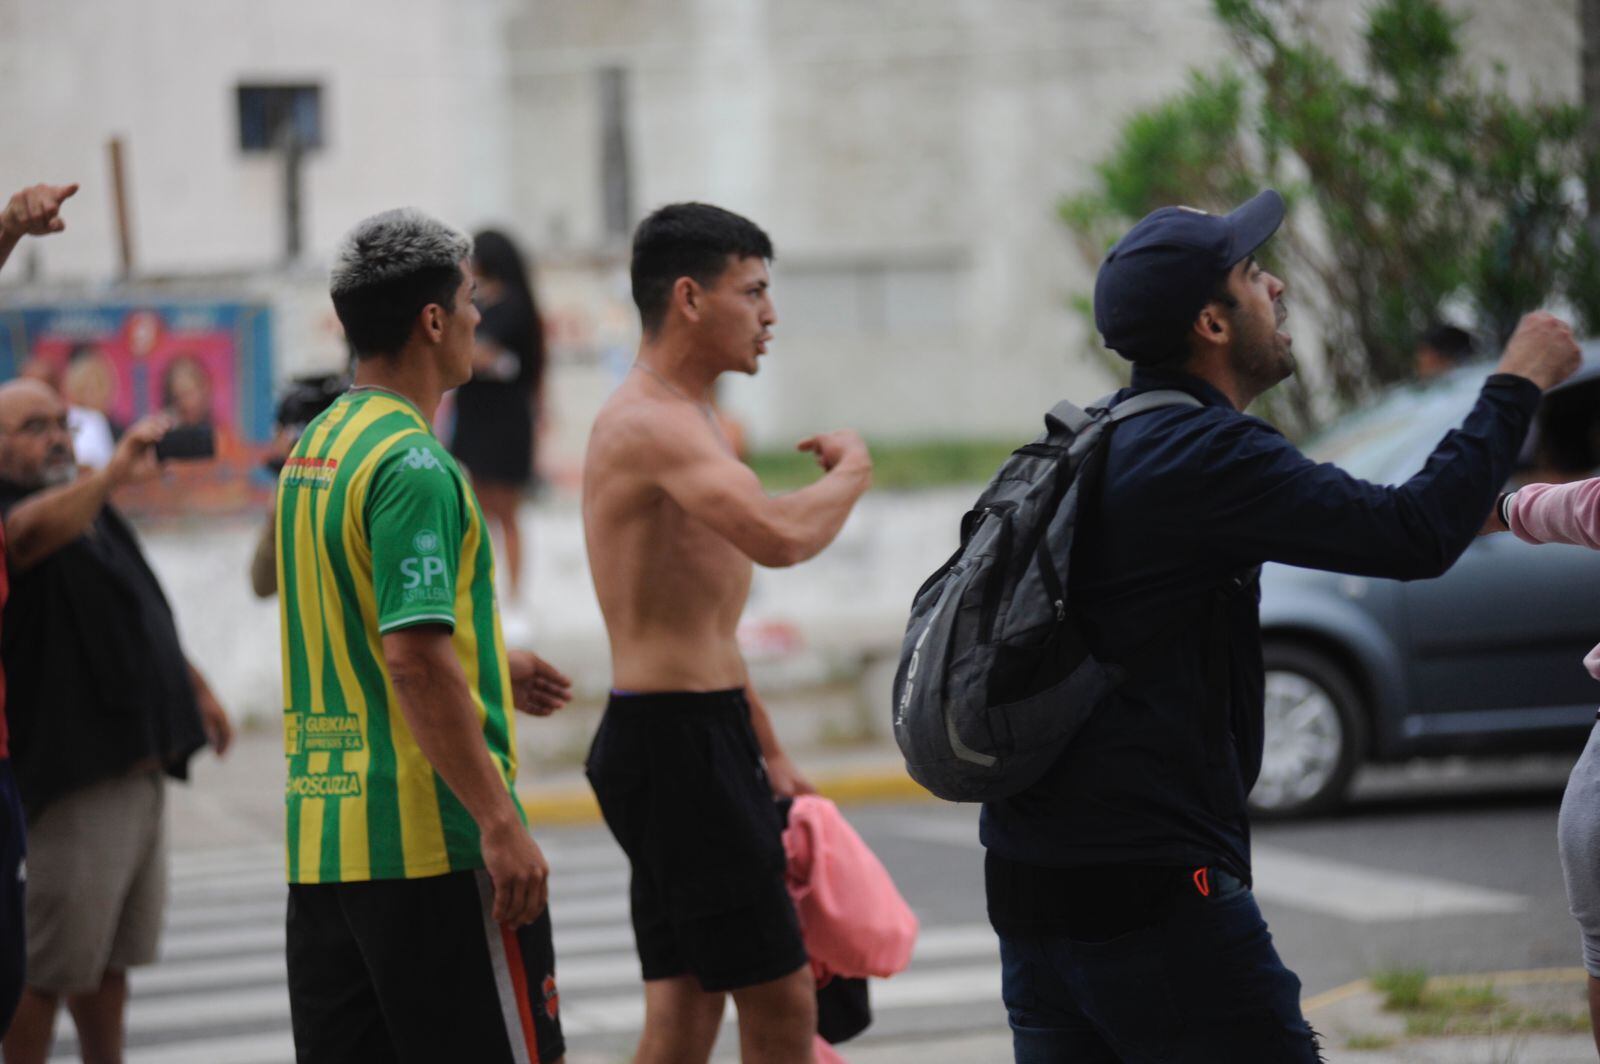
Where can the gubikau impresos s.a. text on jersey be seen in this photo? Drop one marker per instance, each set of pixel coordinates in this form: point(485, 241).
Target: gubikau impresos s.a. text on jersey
point(378, 530)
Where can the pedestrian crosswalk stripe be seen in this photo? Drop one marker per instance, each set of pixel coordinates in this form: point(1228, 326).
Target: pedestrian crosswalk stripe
point(1350, 891)
point(181, 944)
point(259, 863)
point(184, 977)
point(1367, 895)
point(271, 1047)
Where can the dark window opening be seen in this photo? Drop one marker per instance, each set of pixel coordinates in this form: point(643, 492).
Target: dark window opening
point(271, 115)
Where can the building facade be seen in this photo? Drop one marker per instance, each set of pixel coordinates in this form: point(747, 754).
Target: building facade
point(907, 157)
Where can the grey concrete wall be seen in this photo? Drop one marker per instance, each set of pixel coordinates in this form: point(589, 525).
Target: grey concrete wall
point(907, 156)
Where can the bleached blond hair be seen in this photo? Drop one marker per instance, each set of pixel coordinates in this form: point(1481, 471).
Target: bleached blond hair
point(392, 245)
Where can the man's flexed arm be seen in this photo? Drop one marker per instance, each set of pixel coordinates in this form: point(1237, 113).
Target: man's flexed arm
point(713, 486)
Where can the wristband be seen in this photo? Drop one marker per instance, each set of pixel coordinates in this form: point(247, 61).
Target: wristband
point(1503, 506)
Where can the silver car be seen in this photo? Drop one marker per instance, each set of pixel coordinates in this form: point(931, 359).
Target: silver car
point(1485, 659)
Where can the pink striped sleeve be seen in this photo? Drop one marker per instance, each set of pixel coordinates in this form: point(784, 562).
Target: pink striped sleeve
point(1558, 513)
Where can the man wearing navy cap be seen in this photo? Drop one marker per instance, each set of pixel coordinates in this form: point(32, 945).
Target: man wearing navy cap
point(1119, 884)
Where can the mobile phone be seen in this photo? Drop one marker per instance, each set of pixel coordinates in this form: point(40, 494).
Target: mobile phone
point(187, 443)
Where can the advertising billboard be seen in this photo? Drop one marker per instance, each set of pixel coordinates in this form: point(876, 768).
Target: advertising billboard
point(204, 363)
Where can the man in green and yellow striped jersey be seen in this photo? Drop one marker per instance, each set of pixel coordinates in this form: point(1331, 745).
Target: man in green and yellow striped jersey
point(417, 926)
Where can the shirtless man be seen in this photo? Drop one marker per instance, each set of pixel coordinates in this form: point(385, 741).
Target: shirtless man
point(673, 521)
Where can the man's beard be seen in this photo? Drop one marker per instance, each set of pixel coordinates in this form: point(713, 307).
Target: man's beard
point(1258, 358)
point(54, 474)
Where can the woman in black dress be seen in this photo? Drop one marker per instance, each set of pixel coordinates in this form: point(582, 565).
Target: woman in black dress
point(494, 429)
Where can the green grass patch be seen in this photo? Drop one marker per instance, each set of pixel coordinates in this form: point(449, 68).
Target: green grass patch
point(1497, 1021)
point(897, 466)
point(1402, 988)
point(1368, 1042)
point(1432, 1009)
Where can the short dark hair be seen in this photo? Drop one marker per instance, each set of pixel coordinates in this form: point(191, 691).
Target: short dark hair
point(386, 270)
point(1219, 293)
point(691, 240)
point(1450, 341)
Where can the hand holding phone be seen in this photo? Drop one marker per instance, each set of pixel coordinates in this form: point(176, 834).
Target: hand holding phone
point(187, 443)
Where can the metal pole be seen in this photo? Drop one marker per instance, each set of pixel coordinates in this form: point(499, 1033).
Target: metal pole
point(293, 155)
point(119, 192)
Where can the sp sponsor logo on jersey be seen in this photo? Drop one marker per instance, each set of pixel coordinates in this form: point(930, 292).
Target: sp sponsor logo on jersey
point(425, 579)
point(421, 458)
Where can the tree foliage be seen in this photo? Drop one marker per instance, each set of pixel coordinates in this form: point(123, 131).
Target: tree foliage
point(1416, 182)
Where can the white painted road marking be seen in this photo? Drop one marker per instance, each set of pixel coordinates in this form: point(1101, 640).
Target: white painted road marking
point(1368, 895)
point(1355, 892)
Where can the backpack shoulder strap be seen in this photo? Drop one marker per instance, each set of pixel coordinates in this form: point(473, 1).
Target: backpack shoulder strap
point(1069, 416)
point(1144, 402)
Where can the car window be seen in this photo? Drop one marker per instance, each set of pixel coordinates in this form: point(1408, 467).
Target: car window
point(1565, 442)
point(1375, 443)
point(1389, 440)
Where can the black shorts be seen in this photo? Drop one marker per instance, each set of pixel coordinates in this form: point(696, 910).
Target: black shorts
point(680, 781)
point(417, 970)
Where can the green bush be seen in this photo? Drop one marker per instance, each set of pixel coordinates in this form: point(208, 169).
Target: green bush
point(1416, 183)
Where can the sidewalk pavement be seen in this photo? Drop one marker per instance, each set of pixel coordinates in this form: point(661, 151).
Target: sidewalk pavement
point(239, 802)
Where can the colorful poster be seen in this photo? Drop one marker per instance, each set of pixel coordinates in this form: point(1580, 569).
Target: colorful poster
point(204, 363)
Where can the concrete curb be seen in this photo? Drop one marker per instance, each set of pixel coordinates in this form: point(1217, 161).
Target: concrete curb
point(576, 805)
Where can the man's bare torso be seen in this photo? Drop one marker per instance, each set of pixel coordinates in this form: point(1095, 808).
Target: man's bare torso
point(671, 589)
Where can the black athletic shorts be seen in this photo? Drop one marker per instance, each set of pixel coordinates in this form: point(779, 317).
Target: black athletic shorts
point(418, 970)
point(680, 781)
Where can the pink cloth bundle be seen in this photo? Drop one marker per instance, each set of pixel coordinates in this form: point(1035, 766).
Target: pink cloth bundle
point(854, 922)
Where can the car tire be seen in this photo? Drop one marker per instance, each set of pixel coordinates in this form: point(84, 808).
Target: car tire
point(1315, 734)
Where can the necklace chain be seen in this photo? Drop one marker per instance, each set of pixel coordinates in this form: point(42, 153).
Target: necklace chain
point(705, 407)
point(708, 411)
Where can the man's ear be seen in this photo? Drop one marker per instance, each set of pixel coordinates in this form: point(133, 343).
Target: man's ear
point(687, 297)
point(432, 322)
point(1211, 326)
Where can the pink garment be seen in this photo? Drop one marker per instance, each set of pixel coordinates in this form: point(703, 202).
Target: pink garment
point(1560, 513)
point(853, 920)
point(824, 1053)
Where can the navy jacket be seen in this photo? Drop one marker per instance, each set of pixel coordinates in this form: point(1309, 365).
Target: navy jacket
point(1194, 500)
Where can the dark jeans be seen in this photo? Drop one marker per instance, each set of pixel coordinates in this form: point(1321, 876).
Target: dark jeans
point(1199, 985)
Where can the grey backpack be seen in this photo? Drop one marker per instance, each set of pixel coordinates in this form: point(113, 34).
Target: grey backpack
point(994, 677)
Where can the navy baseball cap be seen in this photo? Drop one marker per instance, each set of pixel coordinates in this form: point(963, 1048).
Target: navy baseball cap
point(1157, 277)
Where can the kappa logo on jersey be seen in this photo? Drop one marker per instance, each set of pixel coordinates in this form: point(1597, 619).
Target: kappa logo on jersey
point(421, 458)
